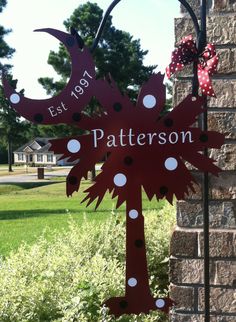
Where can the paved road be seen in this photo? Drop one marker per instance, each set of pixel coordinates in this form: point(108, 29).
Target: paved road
point(33, 177)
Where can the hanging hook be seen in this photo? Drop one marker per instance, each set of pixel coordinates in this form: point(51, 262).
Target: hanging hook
point(113, 5)
point(200, 34)
point(102, 24)
point(192, 15)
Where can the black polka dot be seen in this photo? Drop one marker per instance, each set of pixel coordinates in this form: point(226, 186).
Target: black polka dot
point(163, 190)
point(128, 160)
point(139, 243)
point(123, 304)
point(38, 118)
point(169, 122)
point(72, 180)
point(117, 107)
point(70, 41)
point(203, 138)
point(76, 117)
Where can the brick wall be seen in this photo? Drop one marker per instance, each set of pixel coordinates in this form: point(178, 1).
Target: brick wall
point(186, 249)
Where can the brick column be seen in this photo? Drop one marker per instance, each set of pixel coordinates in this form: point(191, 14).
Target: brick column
point(186, 249)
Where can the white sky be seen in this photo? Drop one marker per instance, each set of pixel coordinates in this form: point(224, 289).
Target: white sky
point(150, 20)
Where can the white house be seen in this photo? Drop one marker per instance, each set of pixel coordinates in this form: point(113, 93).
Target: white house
point(36, 152)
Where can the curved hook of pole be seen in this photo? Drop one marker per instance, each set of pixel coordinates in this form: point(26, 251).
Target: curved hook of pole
point(192, 15)
point(200, 32)
point(201, 38)
point(115, 2)
point(102, 24)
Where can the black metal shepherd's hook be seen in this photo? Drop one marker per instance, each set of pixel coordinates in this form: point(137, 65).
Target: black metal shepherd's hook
point(201, 36)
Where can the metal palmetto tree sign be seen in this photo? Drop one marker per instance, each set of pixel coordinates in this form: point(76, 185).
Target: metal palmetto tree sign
point(146, 150)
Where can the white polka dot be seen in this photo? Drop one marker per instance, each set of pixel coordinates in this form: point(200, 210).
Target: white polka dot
point(120, 180)
point(171, 164)
point(73, 146)
point(15, 98)
point(133, 214)
point(160, 303)
point(149, 101)
point(194, 98)
point(132, 282)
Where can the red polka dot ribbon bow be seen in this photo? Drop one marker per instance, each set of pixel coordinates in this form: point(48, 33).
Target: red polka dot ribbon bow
point(207, 62)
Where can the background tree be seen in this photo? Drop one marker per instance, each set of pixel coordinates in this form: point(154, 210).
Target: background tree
point(117, 53)
point(169, 103)
point(12, 129)
point(5, 50)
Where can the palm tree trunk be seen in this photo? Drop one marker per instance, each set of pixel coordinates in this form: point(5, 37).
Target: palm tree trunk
point(138, 298)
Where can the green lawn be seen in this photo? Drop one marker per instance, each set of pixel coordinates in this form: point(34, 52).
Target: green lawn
point(28, 210)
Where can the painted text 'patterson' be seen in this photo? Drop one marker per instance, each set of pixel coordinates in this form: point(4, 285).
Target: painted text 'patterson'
point(130, 138)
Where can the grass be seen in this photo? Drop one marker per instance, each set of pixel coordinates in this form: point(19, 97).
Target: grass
point(15, 187)
point(30, 209)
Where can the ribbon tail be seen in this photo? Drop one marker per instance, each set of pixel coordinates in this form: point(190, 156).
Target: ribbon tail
point(212, 65)
point(205, 83)
point(168, 73)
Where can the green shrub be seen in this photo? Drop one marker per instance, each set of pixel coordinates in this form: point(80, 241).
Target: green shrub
point(69, 278)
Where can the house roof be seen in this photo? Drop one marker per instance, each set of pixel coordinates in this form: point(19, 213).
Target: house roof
point(37, 145)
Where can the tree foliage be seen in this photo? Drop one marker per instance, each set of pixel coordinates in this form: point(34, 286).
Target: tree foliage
point(117, 54)
point(12, 128)
point(2, 4)
point(5, 50)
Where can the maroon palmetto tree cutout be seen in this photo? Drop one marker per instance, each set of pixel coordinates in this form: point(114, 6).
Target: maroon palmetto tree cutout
point(145, 151)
